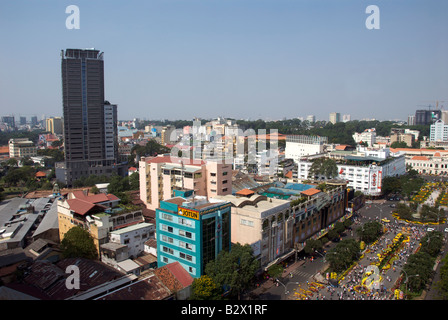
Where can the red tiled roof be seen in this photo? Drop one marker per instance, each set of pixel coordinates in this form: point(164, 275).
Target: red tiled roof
point(174, 276)
point(180, 273)
point(310, 192)
point(419, 158)
point(245, 192)
point(112, 197)
point(95, 198)
point(342, 147)
point(82, 207)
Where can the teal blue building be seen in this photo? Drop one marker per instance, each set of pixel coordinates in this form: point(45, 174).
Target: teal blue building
point(192, 231)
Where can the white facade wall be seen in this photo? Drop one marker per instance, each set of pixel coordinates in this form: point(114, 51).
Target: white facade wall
point(366, 179)
point(295, 151)
point(439, 131)
point(134, 237)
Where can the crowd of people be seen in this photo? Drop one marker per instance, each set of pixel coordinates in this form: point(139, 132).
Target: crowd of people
point(352, 287)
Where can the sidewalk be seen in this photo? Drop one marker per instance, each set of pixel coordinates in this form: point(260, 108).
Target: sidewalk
point(268, 283)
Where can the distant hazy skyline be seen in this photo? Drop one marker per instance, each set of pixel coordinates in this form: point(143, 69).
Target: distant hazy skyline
point(267, 59)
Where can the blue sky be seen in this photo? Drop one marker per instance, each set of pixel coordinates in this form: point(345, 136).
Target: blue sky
point(268, 59)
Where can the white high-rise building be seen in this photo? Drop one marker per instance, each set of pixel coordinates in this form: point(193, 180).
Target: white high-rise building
point(335, 117)
point(439, 131)
point(368, 136)
point(311, 118)
point(298, 146)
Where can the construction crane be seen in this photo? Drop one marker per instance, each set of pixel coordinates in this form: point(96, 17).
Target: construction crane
point(436, 102)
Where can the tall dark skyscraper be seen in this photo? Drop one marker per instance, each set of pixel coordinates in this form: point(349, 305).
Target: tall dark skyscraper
point(90, 122)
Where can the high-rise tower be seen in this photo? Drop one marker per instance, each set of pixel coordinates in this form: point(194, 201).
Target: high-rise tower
point(90, 122)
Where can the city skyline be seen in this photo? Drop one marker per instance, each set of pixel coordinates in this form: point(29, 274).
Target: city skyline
point(237, 59)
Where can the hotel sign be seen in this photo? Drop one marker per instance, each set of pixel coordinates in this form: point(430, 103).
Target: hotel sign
point(189, 213)
point(194, 214)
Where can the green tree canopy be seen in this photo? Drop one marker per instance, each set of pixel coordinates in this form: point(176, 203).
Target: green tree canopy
point(432, 242)
point(370, 231)
point(324, 167)
point(204, 288)
point(343, 255)
point(234, 270)
point(78, 243)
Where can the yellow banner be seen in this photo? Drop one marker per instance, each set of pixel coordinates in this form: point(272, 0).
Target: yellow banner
point(189, 213)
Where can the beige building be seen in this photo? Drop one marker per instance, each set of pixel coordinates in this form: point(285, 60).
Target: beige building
point(21, 147)
point(95, 213)
point(425, 161)
point(408, 138)
point(160, 175)
point(54, 125)
point(275, 228)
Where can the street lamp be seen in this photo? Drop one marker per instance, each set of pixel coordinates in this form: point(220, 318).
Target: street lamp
point(406, 281)
point(323, 256)
point(381, 210)
point(286, 291)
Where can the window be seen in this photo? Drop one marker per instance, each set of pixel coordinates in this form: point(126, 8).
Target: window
point(186, 222)
point(186, 234)
point(168, 250)
point(167, 216)
point(245, 222)
point(167, 239)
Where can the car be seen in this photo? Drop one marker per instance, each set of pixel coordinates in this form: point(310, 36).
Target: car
point(385, 220)
point(430, 229)
point(393, 205)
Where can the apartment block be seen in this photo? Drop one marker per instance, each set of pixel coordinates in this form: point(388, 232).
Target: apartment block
point(21, 147)
point(298, 146)
point(192, 230)
point(98, 214)
point(161, 175)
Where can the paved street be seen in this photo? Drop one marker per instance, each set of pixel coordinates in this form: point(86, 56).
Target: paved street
point(298, 277)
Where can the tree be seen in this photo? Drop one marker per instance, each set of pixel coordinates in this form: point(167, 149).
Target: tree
point(370, 231)
point(399, 144)
point(234, 270)
point(343, 255)
point(404, 211)
point(134, 181)
point(418, 269)
point(432, 242)
point(118, 184)
point(204, 288)
point(78, 243)
point(275, 271)
point(442, 284)
point(313, 245)
point(324, 167)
